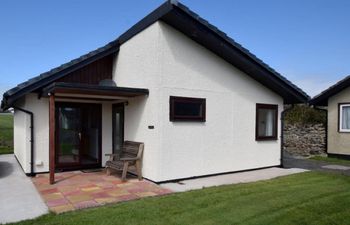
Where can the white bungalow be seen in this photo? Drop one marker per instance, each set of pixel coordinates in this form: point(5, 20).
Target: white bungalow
point(201, 103)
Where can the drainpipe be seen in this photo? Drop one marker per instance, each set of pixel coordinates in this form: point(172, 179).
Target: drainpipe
point(282, 128)
point(32, 174)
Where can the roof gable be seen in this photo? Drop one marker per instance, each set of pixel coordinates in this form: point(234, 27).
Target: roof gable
point(92, 73)
point(193, 26)
point(322, 98)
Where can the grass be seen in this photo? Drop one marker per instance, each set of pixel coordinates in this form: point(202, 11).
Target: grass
point(331, 160)
point(6, 150)
point(306, 198)
point(6, 133)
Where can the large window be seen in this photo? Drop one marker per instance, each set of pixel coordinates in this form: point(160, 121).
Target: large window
point(344, 117)
point(266, 122)
point(187, 109)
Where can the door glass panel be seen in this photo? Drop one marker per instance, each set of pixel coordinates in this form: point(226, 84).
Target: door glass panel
point(78, 135)
point(91, 130)
point(118, 128)
point(69, 128)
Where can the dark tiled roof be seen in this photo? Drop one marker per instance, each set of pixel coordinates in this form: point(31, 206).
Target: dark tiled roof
point(60, 68)
point(179, 16)
point(322, 98)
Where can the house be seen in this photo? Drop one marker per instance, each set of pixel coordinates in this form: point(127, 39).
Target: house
point(200, 102)
point(337, 100)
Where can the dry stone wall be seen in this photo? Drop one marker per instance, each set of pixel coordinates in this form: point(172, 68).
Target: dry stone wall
point(304, 139)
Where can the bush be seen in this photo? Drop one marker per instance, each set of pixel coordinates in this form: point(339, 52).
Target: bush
point(303, 114)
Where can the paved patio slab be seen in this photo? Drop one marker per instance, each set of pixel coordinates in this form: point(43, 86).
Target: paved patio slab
point(19, 200)
point(233, 178)
point(77, 190)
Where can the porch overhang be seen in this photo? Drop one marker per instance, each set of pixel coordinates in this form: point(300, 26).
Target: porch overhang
point(92, 91)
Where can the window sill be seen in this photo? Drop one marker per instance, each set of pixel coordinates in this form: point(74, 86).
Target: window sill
point(266, 139)
point(343, 131)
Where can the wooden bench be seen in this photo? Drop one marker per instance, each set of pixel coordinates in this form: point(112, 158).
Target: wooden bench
point(130, 155)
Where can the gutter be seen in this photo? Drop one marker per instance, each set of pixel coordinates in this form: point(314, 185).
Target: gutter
point(282, 128)
point(31, 114)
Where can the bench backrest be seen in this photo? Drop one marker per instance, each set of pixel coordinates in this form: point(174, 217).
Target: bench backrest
point(132, 149)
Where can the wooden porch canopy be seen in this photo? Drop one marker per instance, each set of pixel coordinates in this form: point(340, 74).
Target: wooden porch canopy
point(92, 91)
point(83, 91)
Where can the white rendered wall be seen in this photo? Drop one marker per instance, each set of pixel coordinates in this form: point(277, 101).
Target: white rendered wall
point(21, 137)
point(40, 109)
point(137, 65)
point(226, 141)
point(168, 63)
point(106, 131)
point(338, 142)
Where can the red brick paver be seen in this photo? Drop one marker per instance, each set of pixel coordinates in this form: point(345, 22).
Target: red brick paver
point(77, 190)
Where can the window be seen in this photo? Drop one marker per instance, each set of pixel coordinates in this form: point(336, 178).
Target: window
point(266, 122)
point(344, 117)
point(187, 109)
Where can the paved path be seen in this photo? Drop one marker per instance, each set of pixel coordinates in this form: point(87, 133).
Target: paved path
point(308, 164)
point(233, 178)
point(19, 199)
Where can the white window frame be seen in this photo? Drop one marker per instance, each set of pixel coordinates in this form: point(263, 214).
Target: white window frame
point(341, 106)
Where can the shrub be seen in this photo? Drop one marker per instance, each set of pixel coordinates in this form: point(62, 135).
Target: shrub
point(303, 114)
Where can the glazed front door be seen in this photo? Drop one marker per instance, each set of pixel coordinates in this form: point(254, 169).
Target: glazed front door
point(78, 135)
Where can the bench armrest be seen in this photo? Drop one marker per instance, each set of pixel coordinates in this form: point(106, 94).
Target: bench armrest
point(111, 156)
point(129, 159)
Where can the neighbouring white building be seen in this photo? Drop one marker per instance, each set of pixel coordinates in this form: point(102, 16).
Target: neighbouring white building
point(200, 102)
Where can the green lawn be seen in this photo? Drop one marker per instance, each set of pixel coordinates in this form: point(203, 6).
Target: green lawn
point(6, 133)
point(306, 198)
point(331, 160)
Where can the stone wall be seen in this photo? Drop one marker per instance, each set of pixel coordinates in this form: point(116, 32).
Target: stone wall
point(304, 140)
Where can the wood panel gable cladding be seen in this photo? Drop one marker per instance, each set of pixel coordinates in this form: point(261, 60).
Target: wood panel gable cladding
point(92, 73)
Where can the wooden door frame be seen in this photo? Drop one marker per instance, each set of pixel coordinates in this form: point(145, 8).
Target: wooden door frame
point(79, 165)
point(52, 137)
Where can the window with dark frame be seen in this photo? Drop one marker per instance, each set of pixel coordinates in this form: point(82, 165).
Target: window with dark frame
point(266, 122)
point(187, 109)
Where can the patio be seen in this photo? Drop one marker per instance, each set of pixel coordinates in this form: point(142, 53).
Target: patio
point(77, 190)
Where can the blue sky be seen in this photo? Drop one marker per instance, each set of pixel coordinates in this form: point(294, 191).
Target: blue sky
point(307, 41)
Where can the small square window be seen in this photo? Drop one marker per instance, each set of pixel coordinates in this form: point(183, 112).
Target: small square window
point(187, 109)
point(266, 122)
point(344, 117)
